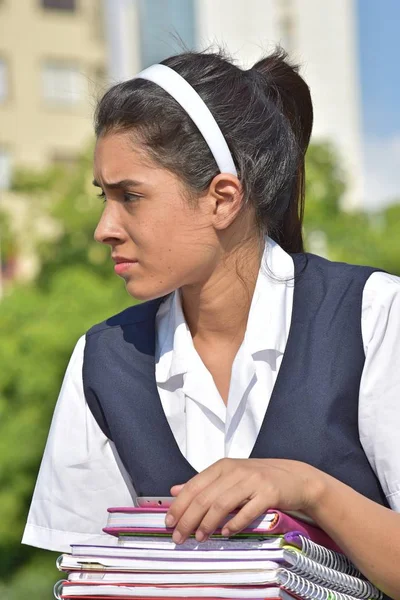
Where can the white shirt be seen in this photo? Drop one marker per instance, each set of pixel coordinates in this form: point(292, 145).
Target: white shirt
point(81, 474)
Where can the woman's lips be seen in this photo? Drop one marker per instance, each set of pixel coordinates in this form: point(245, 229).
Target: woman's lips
point(123, 266)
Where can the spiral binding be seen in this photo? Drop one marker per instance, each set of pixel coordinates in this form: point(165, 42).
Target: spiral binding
point(291, 582)
point(58, 562)
point(58, 587)
point(336, 580)
point(328, 558)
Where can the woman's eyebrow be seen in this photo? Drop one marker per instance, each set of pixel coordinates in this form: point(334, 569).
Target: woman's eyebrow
point(124, 183)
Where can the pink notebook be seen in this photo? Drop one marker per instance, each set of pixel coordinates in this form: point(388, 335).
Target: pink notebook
point(274, 522)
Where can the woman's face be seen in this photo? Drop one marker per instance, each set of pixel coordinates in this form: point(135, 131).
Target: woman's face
point(158, 240)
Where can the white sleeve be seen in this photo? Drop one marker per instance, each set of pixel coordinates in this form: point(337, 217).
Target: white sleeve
point(379, 401)
point(80, 476)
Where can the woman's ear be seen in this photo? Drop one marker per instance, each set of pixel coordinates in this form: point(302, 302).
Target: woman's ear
point(226, 194)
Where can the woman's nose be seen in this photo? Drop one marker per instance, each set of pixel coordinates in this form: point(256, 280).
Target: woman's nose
point(109, 230)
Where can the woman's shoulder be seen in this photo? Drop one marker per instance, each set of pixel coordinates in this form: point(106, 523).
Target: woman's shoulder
point(332, 265)
point(317, 269)
point(142, 312)
point(382, 284)
point(381, 307)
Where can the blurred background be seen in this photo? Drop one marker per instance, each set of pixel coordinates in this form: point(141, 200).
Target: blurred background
point(56, 59)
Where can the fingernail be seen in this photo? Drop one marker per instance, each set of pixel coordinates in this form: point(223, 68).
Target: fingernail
point(199, 536)
point(169, 521)
point(225, 532)
point(176, 537)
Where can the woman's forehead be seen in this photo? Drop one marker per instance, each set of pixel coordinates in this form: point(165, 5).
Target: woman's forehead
point(119, 144)
point(117, 157)
point(120, 163)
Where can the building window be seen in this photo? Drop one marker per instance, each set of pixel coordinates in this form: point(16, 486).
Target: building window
point(62, 84)
point(69, 5)
point(3, 80)
point(5, 169)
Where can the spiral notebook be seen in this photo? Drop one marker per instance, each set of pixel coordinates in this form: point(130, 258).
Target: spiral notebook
point(288, 582)
point(66, 589)
point(241, 571)
point(154, 548)
point(218, 548)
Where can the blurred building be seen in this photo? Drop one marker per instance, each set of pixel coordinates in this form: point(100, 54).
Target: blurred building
point(53, 58)
point(53, 61)
point(56, 56)
point(320, 36)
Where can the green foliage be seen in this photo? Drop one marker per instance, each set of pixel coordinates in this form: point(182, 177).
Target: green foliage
point(355, 237)
point(324, 186)
point(8, 246)
point(35, 579)
point(39, 326)
point(76, 287)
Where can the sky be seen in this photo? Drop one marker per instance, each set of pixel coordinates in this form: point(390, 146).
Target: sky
point(379, 60)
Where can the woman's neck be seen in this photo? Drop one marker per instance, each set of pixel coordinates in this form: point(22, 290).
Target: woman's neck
point(218, 310)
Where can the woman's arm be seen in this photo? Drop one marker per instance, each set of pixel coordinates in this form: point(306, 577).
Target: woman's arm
point(367, 532)
point(79, 476)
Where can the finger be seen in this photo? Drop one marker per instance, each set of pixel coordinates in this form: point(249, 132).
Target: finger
point(246, 515)
point(225, 502)
point(176, 489)
point(191, 490)
point(200, 505)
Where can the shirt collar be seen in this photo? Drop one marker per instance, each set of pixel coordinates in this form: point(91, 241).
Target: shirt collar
point(267, 327)
point(173, 339)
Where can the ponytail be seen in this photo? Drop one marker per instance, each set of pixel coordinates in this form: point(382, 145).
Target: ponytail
point(291, 93)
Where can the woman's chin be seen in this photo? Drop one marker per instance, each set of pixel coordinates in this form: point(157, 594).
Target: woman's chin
point(142, 292)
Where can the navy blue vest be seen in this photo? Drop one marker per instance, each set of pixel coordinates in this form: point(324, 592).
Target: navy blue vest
point(313, 411)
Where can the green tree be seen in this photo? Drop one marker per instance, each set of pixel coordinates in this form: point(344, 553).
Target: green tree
point(356, 237)
point(39, 326)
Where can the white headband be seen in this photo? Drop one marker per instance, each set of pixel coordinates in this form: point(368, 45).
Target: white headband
point(197, 110)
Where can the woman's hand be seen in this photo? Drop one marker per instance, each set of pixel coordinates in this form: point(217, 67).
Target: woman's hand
point(365, 531)
point(251, 485)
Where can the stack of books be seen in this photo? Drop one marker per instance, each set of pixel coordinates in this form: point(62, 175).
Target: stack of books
point(278, 556)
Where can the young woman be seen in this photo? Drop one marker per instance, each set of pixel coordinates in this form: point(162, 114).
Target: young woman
point(253, 375)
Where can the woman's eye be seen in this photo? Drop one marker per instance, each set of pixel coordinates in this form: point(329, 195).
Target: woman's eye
point(131, 197)
point(126, 197)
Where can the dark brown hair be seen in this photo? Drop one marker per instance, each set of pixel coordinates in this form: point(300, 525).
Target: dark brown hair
point(265, 114)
